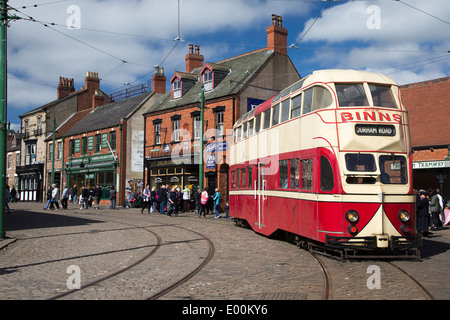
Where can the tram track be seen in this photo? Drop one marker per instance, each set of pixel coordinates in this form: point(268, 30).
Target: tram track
point(159, 244)
point(327, 277)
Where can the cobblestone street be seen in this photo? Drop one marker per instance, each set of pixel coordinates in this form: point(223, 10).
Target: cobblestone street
point(41, 245)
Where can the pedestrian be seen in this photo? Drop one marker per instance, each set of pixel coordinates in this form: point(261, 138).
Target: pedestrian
point(12, 194)
point(153, 196)
point(73, 193)
point(84, 198)
point(179, 199)
point(97, 196)
point(65, 198)
point(203, 202)
point(49, 197)
point(55, 197)
point(186, 198)
point(146, 199)
point(172, 202)
point(216, 200)
point(196, 194)
point(435, 208)
point(91, 197)
point(441, 213)
point(112, 198)
point(162, 199)
point(422, 206)
point(7, 198)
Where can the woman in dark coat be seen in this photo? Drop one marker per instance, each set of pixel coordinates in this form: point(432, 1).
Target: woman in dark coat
point(422, 207)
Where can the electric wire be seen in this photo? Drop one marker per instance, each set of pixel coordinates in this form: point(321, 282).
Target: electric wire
point(420, 10)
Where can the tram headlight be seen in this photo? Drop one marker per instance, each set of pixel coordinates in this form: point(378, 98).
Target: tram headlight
point(403, 215)
point(352, 216)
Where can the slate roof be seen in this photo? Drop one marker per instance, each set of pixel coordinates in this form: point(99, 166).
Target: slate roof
point(108, 115)
point(243, 69)
point(427, 104)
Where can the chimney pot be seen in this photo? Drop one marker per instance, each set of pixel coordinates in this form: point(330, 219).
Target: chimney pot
point(193, 60)
point(277, 35)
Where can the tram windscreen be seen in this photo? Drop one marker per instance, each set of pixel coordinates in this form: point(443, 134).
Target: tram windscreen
point(393, 170)
point(351, 95)
point(382, 96)
point(360, 162)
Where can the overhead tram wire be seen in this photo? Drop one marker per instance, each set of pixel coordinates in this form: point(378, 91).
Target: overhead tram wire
point(420, 10)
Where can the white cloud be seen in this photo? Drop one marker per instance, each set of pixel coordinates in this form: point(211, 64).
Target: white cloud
point(383, 36)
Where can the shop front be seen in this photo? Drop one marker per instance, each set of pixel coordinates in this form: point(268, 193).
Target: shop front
point(91, 171)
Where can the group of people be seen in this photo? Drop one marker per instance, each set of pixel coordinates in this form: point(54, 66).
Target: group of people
point(172, 200)
point(85, 200)
point(430, 208)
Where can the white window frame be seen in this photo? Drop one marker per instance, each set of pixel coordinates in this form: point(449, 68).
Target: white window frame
point(176, 130)
point(208, 81)
point(176, 88)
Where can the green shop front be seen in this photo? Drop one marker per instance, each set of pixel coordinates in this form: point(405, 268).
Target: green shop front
point(90, 171)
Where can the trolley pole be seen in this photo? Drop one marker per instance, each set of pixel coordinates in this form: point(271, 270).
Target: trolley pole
point(202, 107)
point(3, 134)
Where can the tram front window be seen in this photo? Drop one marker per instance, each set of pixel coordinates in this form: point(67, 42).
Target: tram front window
point(393, 170)
point(360, 162)
point(382, 96)
point(351, 95)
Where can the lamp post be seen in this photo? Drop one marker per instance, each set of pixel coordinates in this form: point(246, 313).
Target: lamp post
point(202, 107)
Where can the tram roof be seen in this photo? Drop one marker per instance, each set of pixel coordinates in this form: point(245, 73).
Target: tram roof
point(321, 76)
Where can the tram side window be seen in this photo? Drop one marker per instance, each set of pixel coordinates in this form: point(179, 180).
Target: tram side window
point(233, 180)
point(351, 95)
point(321, 98)
point(238, 179)
point(285, 110)
point(326, 175)
point(250, 127)
point(393, 170)
point(257, 123)
point(283, 174)
point(382, 96)
point(249, 177)
point(275, 114)
point(294, 173)
point(307, 174)
point(243, 175)
point(307, 101)
point(266, 119)
point(238, 136)
point(296, 106)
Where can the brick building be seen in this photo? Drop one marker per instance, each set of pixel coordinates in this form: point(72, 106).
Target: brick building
point(104, 147)
point(427, 104)
point(231, 87)
point(37, 124)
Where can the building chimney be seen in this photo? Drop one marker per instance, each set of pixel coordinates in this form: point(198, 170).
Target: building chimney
point(92, 81)
point(65, 87)
point(98, 99)
point(277, 35)
point(193, 60)
point(159, 80)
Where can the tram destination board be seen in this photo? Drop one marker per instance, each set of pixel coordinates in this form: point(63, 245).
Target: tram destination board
point(374, 130)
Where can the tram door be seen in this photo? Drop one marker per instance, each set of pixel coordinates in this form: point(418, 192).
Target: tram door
point(260, 195)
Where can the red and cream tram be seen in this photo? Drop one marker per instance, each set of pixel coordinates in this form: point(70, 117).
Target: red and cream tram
point(328, 160)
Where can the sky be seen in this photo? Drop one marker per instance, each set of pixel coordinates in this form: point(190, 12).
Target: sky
point(123, 40)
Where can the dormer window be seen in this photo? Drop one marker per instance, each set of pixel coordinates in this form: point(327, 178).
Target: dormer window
point(212, 74)
point(176, 89)
point(208, 80)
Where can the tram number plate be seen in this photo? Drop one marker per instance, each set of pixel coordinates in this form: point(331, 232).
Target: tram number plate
point(374, 130)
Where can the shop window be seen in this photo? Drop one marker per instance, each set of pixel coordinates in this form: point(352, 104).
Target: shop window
point(84, 146)
point(307, 174)
point(98, 143)
point(158, 133)
point(112, 140)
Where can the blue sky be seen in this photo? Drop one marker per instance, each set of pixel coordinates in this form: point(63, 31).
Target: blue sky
point(407, 40)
